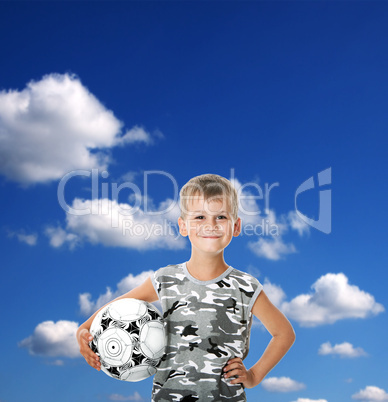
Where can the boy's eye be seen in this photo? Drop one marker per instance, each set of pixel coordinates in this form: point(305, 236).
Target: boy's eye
point(200, 217)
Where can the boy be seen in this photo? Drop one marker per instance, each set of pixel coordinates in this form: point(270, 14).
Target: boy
point(207, 306)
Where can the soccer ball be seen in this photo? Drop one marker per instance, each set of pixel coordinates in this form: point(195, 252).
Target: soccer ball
point(129, 337)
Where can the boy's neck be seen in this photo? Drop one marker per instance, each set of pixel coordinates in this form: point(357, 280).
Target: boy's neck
point(206, 268)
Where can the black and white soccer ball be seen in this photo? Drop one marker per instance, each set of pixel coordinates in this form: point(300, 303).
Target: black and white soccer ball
point(129, 337)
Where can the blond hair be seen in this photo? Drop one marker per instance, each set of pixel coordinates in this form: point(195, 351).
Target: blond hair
point(209, 186)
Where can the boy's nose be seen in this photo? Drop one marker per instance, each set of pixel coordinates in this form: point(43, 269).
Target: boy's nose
point(211, 227)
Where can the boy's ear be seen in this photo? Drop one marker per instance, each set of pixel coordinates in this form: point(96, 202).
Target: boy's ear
point(237, 227)
point(182, 227)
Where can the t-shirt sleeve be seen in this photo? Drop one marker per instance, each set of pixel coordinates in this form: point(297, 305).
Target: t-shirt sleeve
point(258, 287)
point(155, 282)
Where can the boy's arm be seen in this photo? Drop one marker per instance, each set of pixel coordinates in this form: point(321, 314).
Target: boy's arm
point(283, 336)
point(145, 292)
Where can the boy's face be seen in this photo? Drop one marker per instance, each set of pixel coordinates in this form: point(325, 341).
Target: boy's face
point(209, 224)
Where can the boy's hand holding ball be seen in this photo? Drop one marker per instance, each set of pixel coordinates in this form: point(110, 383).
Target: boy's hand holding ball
point(91, 358)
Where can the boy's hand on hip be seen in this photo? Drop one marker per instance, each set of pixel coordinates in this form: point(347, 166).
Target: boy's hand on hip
point(91, 358)
point(235, 368)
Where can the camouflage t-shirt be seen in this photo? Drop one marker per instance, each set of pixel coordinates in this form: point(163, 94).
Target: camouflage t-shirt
point(207, 323)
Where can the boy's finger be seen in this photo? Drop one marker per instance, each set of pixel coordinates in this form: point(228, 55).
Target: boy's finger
point(92, 359)
point(237, 381)
point(234, 373)
point(236, 359)
point(233, 365)
point(87, 336)
point(86, 340)
point(92, 355)
point(95, 364)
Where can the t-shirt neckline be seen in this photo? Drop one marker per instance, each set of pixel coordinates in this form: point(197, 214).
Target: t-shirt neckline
point(199, 282)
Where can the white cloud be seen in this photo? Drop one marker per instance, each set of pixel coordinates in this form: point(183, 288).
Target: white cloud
point(371, 394)
point(56, 362)
point(111, 224)
point(128, 176)
point(53, 339)
point(280, 222)
point(137, 134)
point(298, 224)
point(274, 292)
point(261, 222)
point(58, 237)
point(117, 397)
point(88, 306)
point(344, 349)
point(310, 400)
point(115, 224)
point(249, 209)
point(332, 299)
point(54, 126)
point(272, 249)
point(30, 239)
point(281, 384)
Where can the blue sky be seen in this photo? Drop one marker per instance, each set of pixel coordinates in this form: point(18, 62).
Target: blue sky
point(263, 93)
